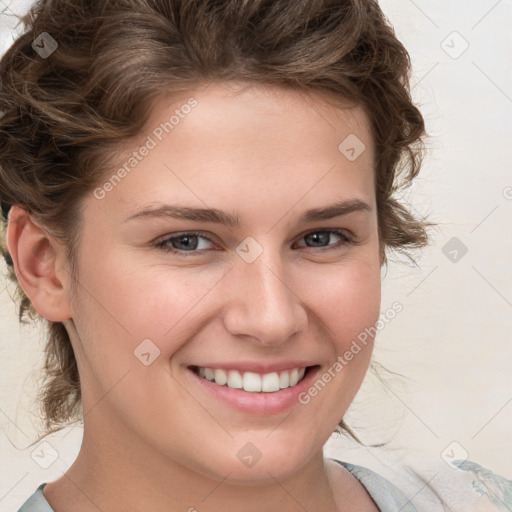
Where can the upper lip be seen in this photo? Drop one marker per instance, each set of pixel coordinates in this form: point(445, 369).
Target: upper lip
point(253, 366)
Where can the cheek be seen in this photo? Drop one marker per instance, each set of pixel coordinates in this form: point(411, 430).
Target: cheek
point(118, 309)
point(123, 362)
point(134, 301)
point(347, 300)
point(347, 304)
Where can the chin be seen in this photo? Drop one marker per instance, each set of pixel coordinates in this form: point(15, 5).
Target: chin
point(259, 462)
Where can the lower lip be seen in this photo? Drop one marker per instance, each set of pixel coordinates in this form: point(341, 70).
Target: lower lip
point(256, 403)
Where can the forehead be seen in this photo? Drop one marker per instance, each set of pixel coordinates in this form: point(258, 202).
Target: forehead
point(252, 112)
point(239, 107)
point(231, 142)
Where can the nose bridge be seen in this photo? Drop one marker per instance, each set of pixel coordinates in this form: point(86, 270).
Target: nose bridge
point(263, 304)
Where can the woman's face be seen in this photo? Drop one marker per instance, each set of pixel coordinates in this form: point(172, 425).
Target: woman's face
point(250, 284)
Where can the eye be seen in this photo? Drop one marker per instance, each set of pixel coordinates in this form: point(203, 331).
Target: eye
point(183, 242)
point(194, 243)
point(321, 238)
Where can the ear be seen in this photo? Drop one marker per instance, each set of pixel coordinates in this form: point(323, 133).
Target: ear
point(39, 263)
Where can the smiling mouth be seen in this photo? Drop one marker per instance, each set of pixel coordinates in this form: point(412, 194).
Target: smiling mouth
point(253, 382)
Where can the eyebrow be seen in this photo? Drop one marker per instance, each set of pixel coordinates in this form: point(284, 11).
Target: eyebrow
point(232, 220)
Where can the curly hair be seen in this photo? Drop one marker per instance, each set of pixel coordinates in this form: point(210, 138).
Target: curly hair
point(63, 115)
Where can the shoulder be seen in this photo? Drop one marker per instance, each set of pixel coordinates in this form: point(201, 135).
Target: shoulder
point(462, 485)
point(36, 502)
point(385, 494)
point(459, 486)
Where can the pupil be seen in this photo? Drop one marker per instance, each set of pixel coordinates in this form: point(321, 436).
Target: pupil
point(188, 244)
point(320, 237)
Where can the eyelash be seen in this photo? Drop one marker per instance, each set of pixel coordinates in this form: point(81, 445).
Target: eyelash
point(162, 244)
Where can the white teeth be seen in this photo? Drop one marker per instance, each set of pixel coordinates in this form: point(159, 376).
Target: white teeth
point(253, 382)
point(284, 380)
point(270, 382)
point(235, 380)
point(220, 377)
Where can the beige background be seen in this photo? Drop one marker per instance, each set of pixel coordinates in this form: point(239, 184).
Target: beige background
point(453, 338)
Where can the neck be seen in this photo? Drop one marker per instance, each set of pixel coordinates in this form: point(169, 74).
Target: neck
point(119, 472)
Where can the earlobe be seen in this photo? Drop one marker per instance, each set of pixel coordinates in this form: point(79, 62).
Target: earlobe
point(37, 261)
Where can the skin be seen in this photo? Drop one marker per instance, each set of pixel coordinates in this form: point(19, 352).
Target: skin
point(153, 439)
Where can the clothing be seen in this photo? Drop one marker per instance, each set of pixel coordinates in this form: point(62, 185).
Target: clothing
point(386, 495)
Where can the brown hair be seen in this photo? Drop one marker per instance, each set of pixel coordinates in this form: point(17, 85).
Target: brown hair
point(64, 114)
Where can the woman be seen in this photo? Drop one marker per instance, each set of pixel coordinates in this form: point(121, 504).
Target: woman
point(198, 199)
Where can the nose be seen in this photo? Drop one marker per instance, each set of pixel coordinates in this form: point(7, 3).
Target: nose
point(262, 301)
